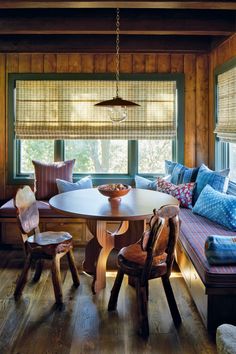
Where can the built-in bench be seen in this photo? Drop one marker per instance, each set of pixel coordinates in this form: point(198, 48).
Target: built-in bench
point(213, 288)
point(50, 220)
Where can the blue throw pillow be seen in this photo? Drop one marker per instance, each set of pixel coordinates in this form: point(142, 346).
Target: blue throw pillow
point(176, 175)
point(218, 207)
point(169, 166)
point(65, 186)
point(231, 188)
point(144, 183)
point(218, 180)
point(220, 249)
point(190, 174)
point(182, 174)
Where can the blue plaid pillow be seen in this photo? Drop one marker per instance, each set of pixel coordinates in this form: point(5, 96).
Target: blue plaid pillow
point(218, 207)
point(218, 180)
point(182, 174)
point(169, 166)
point(190, 175)
point(176, 175)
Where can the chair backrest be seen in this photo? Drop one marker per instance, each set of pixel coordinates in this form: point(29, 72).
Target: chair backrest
point(170, 233)
point(163, 234)
point(27, 211)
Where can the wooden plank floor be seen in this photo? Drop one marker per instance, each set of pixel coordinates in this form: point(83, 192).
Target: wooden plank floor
point(33, 325)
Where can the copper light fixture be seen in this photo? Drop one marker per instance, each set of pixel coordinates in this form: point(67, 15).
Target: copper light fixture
point(117, 107)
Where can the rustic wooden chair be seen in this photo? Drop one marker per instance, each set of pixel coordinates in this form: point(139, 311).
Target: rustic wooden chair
point(40, 246)
point(151, 257)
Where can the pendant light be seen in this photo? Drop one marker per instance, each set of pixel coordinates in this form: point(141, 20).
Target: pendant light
point(117, 107)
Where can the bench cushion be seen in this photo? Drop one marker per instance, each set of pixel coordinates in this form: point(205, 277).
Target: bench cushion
point(8, 210)
point(194, 231)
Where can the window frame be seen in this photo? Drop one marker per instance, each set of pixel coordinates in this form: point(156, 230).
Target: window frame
point(221, 148)
point(14, 177)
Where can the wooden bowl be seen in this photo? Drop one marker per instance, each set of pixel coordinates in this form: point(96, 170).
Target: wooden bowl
point(114, 191)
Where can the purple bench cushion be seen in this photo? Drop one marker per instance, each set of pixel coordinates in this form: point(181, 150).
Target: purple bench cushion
point(194, 231)
point(8, 210)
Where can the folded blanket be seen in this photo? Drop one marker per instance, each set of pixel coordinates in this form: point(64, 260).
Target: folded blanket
point(220, 249)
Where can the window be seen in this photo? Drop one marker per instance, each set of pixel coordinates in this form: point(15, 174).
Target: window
point(226, 117)
point(52, 118)
point(34, 150)
point(232, 161)
point(98, 156)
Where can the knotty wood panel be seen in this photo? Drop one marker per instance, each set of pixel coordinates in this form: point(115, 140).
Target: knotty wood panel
point(218, 56)
point(87, 63)
point(100, 63)
point(202, 109)
point(150, 63)
point(177, 63)
point(163, 63)
point(126, 63)
point(37, 63)
point(50, 63)
point(190, 109)
point(12, 63)
point(25, 63)
point(195, 143)
point(74, 63)
point(111, 63)
point(62, 63)
point(138, 63)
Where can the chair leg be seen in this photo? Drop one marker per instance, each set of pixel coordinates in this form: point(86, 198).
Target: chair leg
point(23, 277)
point(115, 290)
point(171, 301)
point(142, 302)
point(38, 270)
point(147, 290)
point(73, 268)
point(56, 279)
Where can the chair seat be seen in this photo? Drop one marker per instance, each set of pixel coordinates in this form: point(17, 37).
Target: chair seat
point(49, 238)
point(132, 259)
point(134, 253)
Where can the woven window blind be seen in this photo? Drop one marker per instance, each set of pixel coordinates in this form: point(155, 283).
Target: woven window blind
point(226, 106)
point(51, 109)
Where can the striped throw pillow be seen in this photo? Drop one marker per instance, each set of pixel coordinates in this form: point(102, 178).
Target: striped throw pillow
point(46, 175)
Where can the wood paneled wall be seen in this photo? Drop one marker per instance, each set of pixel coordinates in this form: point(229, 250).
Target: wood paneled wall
point(218, 56)
point(195, 68)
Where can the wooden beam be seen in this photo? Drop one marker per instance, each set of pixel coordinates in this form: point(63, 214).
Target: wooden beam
point(214, 5)
point(138, 23)
point(103, 44)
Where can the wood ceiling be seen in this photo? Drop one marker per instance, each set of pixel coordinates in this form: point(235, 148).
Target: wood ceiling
point(146, 26)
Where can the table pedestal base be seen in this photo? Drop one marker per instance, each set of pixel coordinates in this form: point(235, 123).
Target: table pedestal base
point(100, 246)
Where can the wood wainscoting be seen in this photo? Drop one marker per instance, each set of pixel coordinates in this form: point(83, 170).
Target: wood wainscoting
point(10, 233)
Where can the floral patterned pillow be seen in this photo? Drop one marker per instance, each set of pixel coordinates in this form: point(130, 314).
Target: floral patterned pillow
point(182, 192)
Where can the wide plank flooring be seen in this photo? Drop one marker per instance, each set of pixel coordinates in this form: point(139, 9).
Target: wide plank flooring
point(34, 325)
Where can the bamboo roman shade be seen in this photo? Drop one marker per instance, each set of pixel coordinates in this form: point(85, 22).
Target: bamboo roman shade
point(226, 106)
point(64, 109)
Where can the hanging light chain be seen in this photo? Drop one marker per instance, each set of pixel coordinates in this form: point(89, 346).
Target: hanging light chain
point(117, 50)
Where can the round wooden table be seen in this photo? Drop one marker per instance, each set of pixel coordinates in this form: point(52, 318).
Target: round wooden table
point(132, 211)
